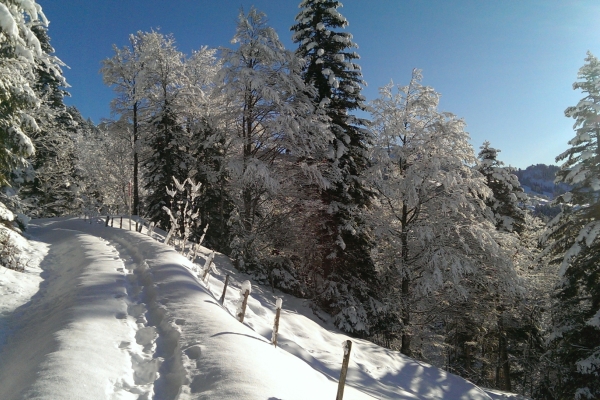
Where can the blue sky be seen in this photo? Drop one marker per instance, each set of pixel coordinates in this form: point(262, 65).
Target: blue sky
point(506, 67)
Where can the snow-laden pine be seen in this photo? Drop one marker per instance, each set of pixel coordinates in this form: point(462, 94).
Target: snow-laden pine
point(22, 54)
point(574, 244)
point(347, 285)
point(508, 198)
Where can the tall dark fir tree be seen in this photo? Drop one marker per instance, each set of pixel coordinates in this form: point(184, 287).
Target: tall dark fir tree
point(348, 271)
point(53, 190)
point(575, 245)
point(508, 197)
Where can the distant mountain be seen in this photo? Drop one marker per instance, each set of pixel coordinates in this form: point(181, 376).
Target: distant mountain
point(538, 182)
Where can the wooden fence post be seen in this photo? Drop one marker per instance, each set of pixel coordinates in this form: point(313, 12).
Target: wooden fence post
point(121, 224)
point(107, 219)
point(207, 267)
point(243, 302)
point(347, 347)
point(136, 225)
point(150, 228)
point(222, 299)
point(278, 304)
point(112, 221)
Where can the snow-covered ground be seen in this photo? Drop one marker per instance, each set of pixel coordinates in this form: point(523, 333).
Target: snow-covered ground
point(106, 313)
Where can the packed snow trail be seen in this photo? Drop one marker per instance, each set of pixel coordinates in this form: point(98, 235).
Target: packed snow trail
point(121, 316)
point(71, 340)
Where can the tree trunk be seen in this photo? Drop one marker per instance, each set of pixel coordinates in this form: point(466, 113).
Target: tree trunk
point(503, 371)
point(405, 288)
point(136, 195)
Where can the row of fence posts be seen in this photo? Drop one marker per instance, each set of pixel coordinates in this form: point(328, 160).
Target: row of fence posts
point(138, 224)
point(243, 302)
point(241, 311)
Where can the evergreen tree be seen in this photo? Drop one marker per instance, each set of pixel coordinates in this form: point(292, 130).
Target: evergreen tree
point(215, 204)
point(346, 265)
point(20, 54)
point(167, 139)
point(508, 197)
point(53, 191)
point(201, 107)
point(575, 244)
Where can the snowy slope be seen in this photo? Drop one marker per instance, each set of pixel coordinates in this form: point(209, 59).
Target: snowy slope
point(118, 315)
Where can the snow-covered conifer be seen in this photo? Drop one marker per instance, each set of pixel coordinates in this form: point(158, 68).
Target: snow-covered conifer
point(575, 245)
point(54, 189)
point(508, 197)
point(21, 55)
point(331, 69)
point(167, 139)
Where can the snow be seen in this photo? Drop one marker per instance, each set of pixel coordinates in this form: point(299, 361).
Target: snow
point(7, 23)
point(103, 312)
point(5, 213)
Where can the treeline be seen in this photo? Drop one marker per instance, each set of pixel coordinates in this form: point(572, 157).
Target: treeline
point(390, 224)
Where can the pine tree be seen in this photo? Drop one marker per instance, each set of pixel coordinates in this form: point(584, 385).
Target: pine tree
point(167, 139)
point(346, 264)
point(508, 197)
point(215, 204)
point(53, 191)
point(575, 244)
point(20, 54)
point(201, 107)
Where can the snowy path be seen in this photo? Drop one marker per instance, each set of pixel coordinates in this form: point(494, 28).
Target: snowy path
point(121, 316)
point(78, 318)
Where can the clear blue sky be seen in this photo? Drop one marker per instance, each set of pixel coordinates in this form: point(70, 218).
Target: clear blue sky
point(506, 67)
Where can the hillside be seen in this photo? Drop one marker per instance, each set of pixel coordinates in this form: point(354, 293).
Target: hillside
point(107, 313)
point(538, 182)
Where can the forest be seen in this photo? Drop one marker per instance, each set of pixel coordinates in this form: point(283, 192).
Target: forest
point(381, 212)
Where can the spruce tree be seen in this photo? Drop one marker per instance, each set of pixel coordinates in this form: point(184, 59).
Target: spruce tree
point(215, 204)
point(53, 191)
point(346, 264)
point(508, 196)
point(167, 139)
point(20, 53)
point(575, 244)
